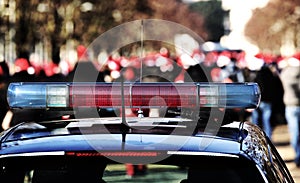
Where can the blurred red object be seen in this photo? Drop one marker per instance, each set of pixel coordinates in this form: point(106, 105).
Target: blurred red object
point(81, 51)
point(21, 64)
point(51, 69)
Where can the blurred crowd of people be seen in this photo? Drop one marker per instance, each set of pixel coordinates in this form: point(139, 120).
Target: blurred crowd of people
point(277, 76)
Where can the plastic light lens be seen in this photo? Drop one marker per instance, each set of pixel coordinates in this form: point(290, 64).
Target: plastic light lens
point(114, 154)
point(26, 96)
point(145, 95)
point(57, 96)
point(37, 95)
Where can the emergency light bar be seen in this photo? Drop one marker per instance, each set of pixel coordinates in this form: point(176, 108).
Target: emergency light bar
point(136, 95)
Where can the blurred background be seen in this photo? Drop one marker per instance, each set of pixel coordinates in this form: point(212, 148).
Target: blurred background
point(50, 30)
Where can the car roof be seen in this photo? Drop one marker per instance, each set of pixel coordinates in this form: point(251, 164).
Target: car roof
point(158, 133)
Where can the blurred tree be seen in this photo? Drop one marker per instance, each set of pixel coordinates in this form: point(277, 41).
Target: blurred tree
point(24, 32)
point(276, 27)
point(214, 17)
point(37, 22)
point(54, 22)
point(176, 11)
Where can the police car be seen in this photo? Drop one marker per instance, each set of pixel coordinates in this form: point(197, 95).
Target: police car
point(191, 140)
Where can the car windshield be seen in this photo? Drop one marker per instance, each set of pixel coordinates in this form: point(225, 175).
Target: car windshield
point(91, 169)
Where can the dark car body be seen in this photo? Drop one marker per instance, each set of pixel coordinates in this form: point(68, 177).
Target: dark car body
point(86, 150)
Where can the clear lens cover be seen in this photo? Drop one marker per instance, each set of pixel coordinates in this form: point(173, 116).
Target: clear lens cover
point(37, 95)
point(21, 95)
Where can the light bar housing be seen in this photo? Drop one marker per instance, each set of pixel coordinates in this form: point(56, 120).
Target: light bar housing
point(136, 95)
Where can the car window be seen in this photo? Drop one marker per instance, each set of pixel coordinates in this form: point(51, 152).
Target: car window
point(100, 169)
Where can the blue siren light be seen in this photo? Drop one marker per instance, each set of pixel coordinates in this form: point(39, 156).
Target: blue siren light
point(144, 95)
